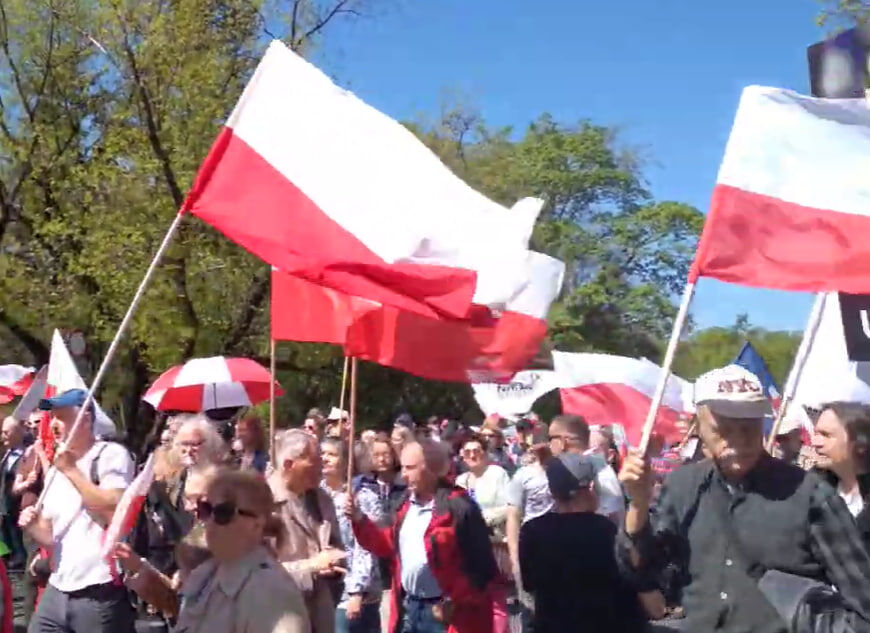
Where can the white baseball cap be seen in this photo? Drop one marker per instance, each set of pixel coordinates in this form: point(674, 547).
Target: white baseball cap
point(732, 391)
point(337, 414)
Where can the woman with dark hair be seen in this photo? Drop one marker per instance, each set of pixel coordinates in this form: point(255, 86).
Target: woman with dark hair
point(842, 444)
point(251, 440)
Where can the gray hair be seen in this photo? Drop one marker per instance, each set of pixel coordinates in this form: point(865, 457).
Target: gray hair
point(214, 449)
point(292, 444)
point(435, 455)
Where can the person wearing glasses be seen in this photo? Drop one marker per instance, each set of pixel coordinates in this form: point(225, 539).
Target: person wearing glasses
point(487, 484)
point(570, 434)
point(241, 587)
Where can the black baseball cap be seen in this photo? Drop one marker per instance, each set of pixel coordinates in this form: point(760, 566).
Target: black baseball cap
point(569, 473)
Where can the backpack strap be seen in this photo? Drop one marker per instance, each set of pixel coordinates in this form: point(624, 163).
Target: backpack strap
point(95, 471)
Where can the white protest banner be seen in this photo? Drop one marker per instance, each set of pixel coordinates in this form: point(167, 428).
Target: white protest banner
point(514, 398)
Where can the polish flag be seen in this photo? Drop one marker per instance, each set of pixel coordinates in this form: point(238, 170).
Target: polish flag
point(488, 347)
point(63, 376)
point(791, 206)
point(317, 183)
point(607, 389)
point(15, 380)
point(128, 509)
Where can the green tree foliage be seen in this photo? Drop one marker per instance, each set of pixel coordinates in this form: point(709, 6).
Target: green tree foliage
point(718, 346)
point(844, 13)
point(107, 108)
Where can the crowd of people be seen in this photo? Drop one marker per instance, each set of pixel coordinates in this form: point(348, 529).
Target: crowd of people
point(437, 527)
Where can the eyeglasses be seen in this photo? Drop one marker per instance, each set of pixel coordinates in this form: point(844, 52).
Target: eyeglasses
point(223, 513)
point(471, 451)
point(191, 444)
point(566, 438)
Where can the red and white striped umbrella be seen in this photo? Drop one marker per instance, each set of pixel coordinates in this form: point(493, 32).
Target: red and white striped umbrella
point(211, 383)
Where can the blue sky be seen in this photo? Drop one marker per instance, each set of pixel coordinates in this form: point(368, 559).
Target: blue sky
point(668, 73)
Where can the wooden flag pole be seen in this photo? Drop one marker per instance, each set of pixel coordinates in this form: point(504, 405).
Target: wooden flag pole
point(679, 323)
point(352, 429)
point(113, 347)
point(343, 386)
point(272, 346)
point(797, 367)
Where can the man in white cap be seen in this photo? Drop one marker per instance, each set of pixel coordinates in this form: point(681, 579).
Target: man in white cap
point(756, 538)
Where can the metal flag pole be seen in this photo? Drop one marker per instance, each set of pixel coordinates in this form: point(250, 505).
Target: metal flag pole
point(110, 353)
point(272, 401)
point(679, 323)
point(797, 367)
point(351, 430)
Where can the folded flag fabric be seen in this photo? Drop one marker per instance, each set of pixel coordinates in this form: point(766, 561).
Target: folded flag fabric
point(490, 346)
point(791, 205)
point(128, 508)
point(317, 183)
point(608, 389)
point(15, 380)
point(63, 376)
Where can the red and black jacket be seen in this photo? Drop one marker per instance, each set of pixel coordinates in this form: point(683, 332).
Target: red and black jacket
point(459, 553)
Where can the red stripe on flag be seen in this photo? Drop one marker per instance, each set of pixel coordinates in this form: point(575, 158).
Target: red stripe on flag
point(758, 240)
point(446, 350)
point(619, 404)
point(239, 193)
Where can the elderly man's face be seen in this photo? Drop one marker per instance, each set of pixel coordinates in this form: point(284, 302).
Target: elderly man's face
point(12, 432)
point(736, 444)
point(304, 472)
point(415, 472)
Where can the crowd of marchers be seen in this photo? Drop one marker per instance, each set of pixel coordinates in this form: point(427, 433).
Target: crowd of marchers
point(436, 527)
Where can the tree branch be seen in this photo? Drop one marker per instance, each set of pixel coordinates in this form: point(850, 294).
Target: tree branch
point(33, 344)
point(294, 23)
point(256, 295)
point(339, 8)
point(16, 75)
point(179, 271)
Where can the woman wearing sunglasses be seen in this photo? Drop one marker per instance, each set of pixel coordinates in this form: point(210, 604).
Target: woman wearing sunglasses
point(240, 588)
point(487, 484)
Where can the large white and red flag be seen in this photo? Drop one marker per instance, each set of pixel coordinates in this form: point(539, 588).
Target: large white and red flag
point(15, 380)
point(128, 508)
point(319, 184)
point(791, 205)
point(490, 346)
point(608, 389)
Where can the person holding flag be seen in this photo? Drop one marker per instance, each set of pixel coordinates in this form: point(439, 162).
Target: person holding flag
point(761, 541)
point(84, 593)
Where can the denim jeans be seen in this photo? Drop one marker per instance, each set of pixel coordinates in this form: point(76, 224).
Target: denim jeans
point(419, 618)
point(369, 620)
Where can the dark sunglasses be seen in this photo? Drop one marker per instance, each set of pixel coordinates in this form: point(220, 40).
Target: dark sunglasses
point(223, 513)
